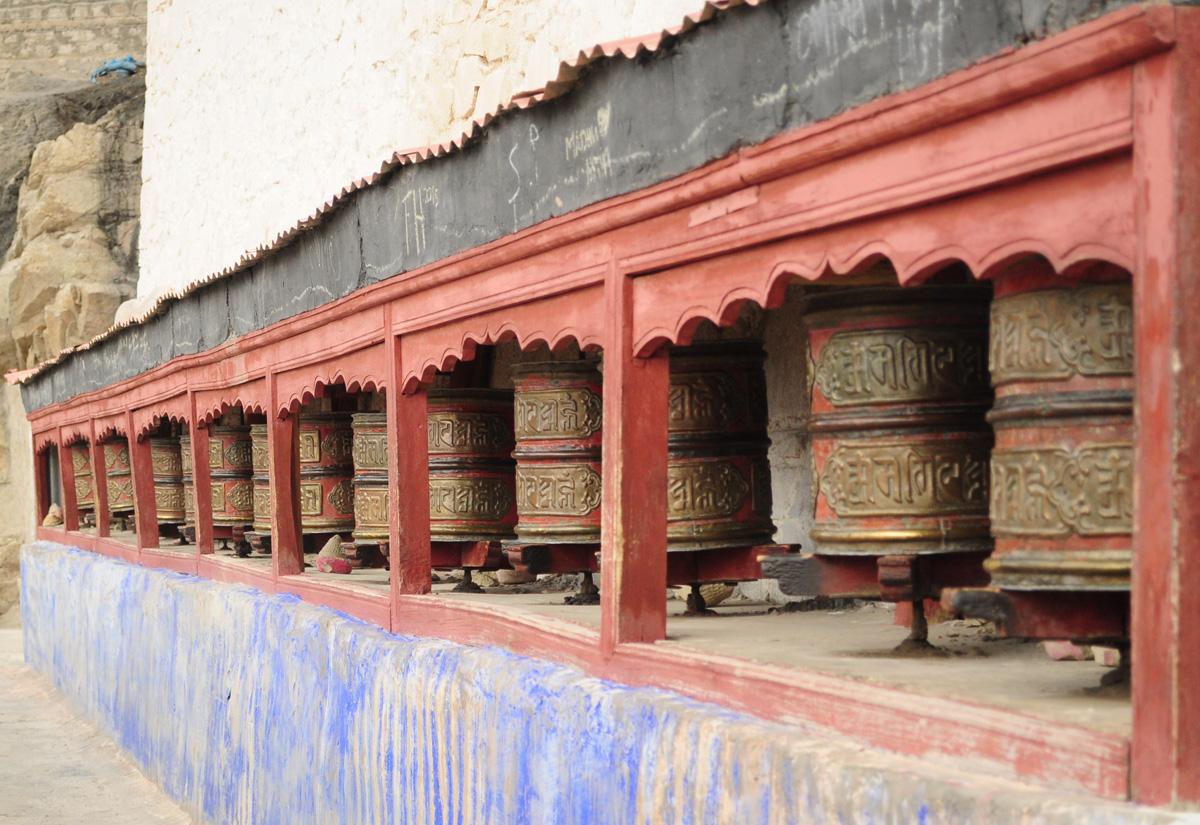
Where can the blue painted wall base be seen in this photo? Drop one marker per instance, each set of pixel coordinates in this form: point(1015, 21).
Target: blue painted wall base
point(249, 708)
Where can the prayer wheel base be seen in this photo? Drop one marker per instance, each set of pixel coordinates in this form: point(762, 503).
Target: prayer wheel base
point(469, 555)
point(536, 559)
point(894, 578)
point(728, 564)
point(365, 553)
point(1081, 616)
point(259, 542)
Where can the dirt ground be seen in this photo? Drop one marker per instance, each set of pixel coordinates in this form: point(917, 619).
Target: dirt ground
point(58, 769)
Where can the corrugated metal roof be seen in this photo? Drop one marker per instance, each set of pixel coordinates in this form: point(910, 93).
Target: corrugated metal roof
point(569, 71)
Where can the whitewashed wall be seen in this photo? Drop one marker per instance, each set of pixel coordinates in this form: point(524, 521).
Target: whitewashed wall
point(256, 112)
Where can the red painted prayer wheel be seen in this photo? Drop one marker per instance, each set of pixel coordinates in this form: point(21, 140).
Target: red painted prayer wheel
point(370, 477)
point(558, 414)
point(189, 482)
point(326, 473)
point(1062, 471)
point(167, 464)
point(260, 467)
point(472, 492)
point(899, 441)
point(118, 476)
point(229, 468)
point(81, 467)
point(718, 478)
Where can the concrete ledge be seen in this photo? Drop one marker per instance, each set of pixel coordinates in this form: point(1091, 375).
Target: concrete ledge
point(253, 708)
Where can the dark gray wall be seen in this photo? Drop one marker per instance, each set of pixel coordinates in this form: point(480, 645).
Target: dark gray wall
point(749, 74)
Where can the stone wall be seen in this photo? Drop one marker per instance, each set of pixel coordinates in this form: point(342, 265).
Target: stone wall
point(246, 707)
point(70, 154)
point(48, 44)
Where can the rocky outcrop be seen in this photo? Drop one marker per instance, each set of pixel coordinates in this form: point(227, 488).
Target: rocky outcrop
point(73, 256)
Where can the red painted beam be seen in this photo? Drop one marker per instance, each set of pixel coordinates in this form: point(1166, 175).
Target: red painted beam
point(145, 508)
point(408, 471)
point(287, 542)
point(201, 479)
point(66, 471)
point(633, 531)
point(99, 480)
point(1166, 533)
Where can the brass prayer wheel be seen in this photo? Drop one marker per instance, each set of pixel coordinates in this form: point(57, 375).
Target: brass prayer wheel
point(167, 464)
point(81, 467)
point(229, 468)
point(472, 492)
point(260, 467)
point(189, 483)
point(370, 477)
point(118, 476)
point(1062, 471)
point(899, 440)
point(558, 413)
point(718, 478)
point(326, 473)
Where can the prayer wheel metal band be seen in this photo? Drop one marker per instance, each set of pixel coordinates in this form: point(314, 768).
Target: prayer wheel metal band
point(229, 457)
point(167, 464)
point(718, 477)
point(899, 441)
point(81, 467)
point(472, 492)
point(1062, 470)
point(370, 476)
point(260, 467)
point(326, 447)
point(118, 476)
point(558, 414)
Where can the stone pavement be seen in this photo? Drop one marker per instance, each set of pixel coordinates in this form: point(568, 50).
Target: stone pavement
point(58, 769)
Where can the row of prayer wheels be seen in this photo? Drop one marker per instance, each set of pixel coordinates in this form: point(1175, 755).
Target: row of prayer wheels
point(920, 469)
point(959, 439)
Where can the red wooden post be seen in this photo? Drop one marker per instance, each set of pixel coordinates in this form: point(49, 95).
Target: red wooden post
point(41, 477)
point(66, 471)
point(408, 479)
point(633, 532)
point(99, 480)
point(144, 507)
point(1166, 560)
point(287, 542)
point(201, 481)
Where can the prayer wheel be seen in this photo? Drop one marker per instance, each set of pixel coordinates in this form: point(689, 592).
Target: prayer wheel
point(370, 477)
point(119, 477)
point(899, 440)
point(81, 467)
point(167, 464)
point(558, 414)
point(718, 478)
point(1062, 471)
point(229, 468)
point(260, 467)
point(189, 482)
point(472, 493)
point(326, 473)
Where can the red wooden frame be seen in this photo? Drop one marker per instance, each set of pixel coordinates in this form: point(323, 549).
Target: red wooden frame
point(1072, 149)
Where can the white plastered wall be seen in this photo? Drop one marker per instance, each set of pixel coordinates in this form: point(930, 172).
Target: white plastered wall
point(258, 111)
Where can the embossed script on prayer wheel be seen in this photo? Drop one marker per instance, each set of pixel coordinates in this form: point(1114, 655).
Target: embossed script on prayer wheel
point(1062, 471)
point(370, 476)
point(189, 483)
point(557, 421)
point(81, 467)
point(472, 495)
point(229, 467)
point(900, 445)
point(326, 473)
point(260, 467)
point(118, 476)
point(167, 464)
point(718, 478)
